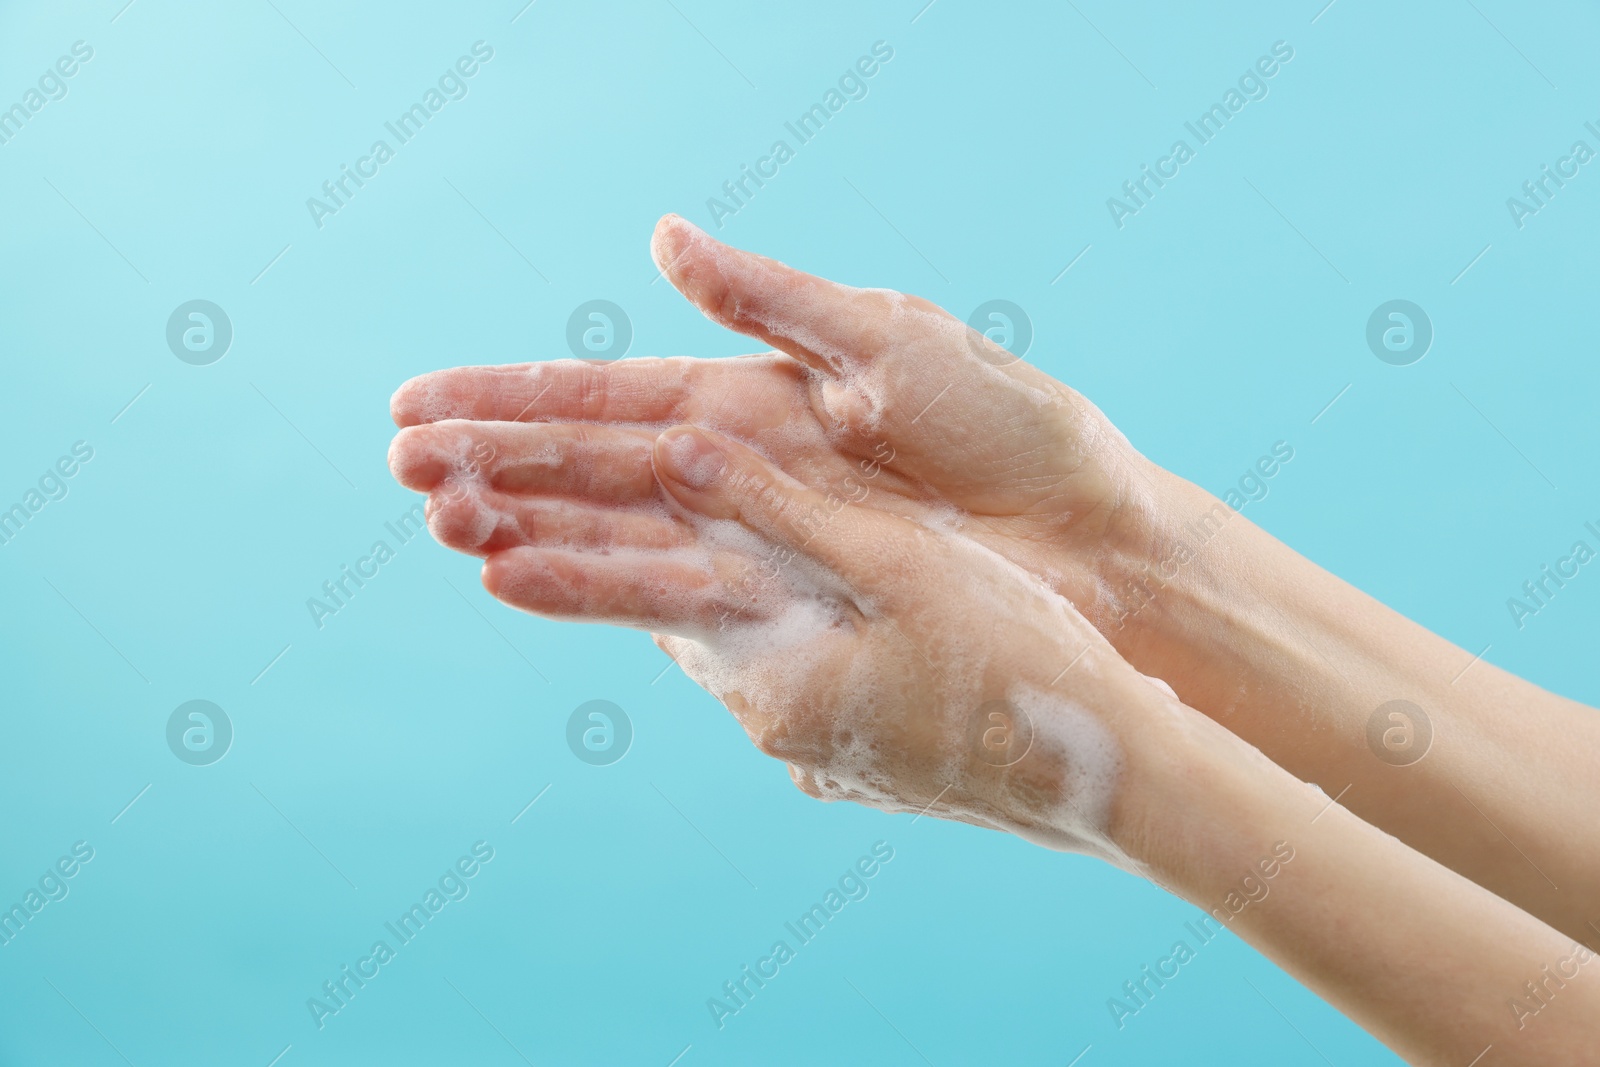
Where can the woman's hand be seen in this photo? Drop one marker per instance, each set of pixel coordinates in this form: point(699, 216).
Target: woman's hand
point(910, 669)
point(877, 396)
point(885, 662)
point(891, 625)
point(888, 401)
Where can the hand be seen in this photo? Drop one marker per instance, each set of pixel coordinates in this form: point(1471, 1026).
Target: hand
point(862, 640)
point(895, 405)
point(882, 398)
point(873, 654)
point(887, 663)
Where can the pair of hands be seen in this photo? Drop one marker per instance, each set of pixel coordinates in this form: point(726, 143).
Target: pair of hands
point(929, 577)
point(877, 545)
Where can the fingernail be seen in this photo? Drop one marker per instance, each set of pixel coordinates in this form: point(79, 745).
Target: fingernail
point(692, 458)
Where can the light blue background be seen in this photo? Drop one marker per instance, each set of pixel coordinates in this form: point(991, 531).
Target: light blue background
point(1214, 324)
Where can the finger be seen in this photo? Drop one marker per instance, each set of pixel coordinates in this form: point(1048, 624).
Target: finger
point(561, 459)
point(719, 478)
point(660, 592)
point(826, 325)
point(635, 390)
point(629, 390)
point(479, 521)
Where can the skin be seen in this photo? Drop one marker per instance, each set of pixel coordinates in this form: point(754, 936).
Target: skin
point(946, 470)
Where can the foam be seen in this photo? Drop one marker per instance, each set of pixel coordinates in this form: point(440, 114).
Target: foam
point(426, 396)
point(835, 689)
point(468, 483)
point(1084, 744)
point(698, 468)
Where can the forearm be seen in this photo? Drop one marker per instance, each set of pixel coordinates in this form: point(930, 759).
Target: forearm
point(1298, 663)
point(1426, 961)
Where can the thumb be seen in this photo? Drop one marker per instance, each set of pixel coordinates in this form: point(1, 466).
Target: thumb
point(720, 478)
point(826, 325)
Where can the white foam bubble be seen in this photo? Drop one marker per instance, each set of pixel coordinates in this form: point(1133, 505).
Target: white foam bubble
point(467, 484)
point(875, 720)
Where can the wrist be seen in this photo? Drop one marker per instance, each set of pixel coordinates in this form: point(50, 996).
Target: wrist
point(1196, 807)
point(1207, 600)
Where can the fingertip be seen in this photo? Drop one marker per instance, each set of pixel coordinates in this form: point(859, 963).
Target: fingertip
point(711, 275)
point(404, 406)
point(501, 571)
point(822, 323)
point(672, 233)
point(413, 461)
point(688, 456)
